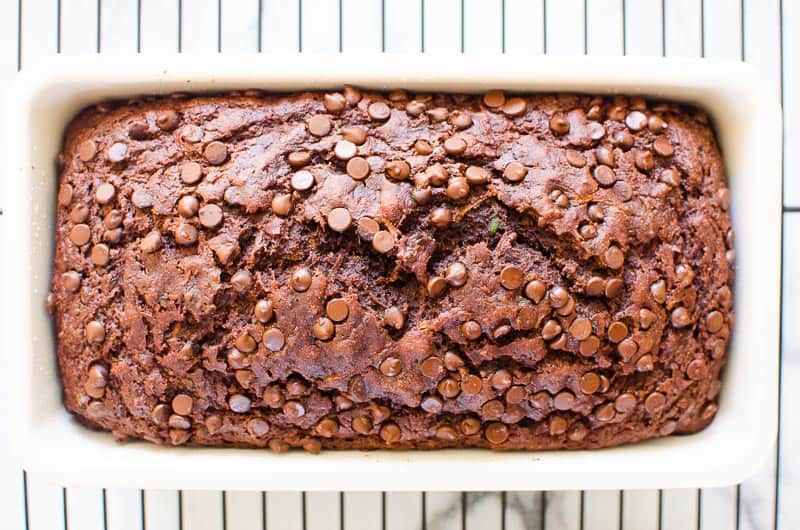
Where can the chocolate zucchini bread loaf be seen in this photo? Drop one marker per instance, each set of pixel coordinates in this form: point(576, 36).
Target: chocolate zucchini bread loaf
point(363, 270)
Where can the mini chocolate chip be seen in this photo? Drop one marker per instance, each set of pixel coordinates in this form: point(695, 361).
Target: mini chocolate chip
point(185, 234)
point(242, 281)
point(71, 280)
point(645, 363)
point(415, 108)
point(422, 196)
point(391, 366)
point(456, 274)
point(65, 194)
point(437, 114)
point(104, 193)
point(216, 153)
point(623, 139)
point(239, 403)
point(95, 332)
point(298, 158)
point(334, 102)
point(696, 369)
point(80, 234)
point(604, 175)
point(432, 404)
point(558, 296)
point(437, 175)
point(535, 290)
point(457, 188)
point(551, 330)
point(714, 321)
point(496, 433)
point(301, 280)
point(589, 383)
point(493, 409)
point(654, 402)
point(559, 124)
point(294, 409)
point(613, 257)
point(100, 254)
point(367, 228)
point(398, 170)
point(423, 147)
point(580, 328)
point(663, 147)
point(188, 205)
point(182, 404)
point(390, 433)
point(617, 331)
point(448, 388)
point(273, 339)
point(441, 217)
point(452, 361)
point(494, 99)
point(151, 242)
point(355, 134)
point(167, 120)
point(471, 330)
point(358, 168)
point(460, 119)
point(323, 328)
point(605, 156)
point(477, 175)
point(383, 241)
point(680, 317)
point(625, 402)
point(339, 219)
point(514, 172)
point(511, 277)
point(282, 204)
point(658, 290)
point(613, 287)
point(319, 125)
point(394, 318)
point(352, 95)
point(117, 152)
point(656, 124)
point(86, 150)
point(210, 216)
point(160, 414)
point(501, 379)
point(191, 172)
point(379, 111)
point(327, 428)
point(345, 150)
point(302, 180)
point(471, 384)
point(627, 348)
point(646, 318)
point(263, 311)
point(643, 160)
point(514, 107)
point(636, 120)
point(589, 346)
point(455, 146)
point(575, 158)
point(337, 309)
point(595, 286)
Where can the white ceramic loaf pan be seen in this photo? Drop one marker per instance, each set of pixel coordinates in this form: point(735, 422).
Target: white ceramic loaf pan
point(54, 446)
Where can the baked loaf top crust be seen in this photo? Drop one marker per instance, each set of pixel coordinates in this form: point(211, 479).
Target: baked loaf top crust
point(365, 270)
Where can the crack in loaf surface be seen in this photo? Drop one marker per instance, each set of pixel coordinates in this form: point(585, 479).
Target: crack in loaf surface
point(364, 270)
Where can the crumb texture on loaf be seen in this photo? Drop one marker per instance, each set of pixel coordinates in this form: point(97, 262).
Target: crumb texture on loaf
point(363, 270)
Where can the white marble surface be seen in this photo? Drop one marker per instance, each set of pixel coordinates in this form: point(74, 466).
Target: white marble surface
point(748, 29)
